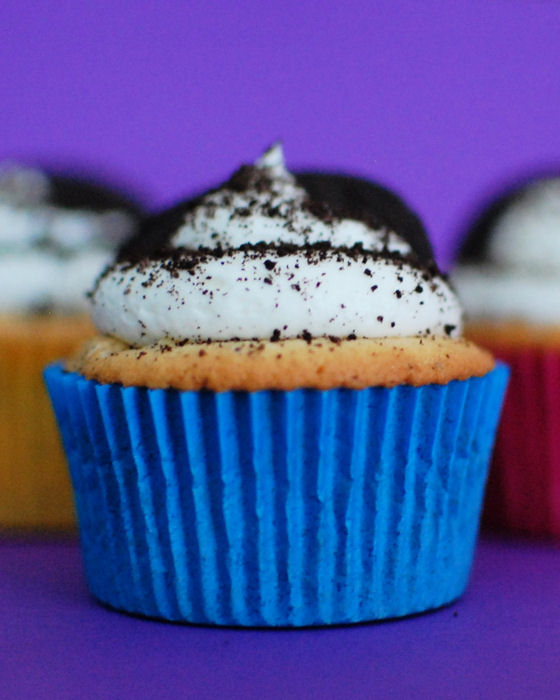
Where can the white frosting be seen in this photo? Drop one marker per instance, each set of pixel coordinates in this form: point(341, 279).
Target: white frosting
point(489, 293)
point(67, 230)
point(229, 298)
point(40, 280)
point(249, 293)
point(49, 255)
point(521, 277)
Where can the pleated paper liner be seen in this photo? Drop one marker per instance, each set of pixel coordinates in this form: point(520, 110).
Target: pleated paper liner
point(35, 490)
point(278, 508)
point(524, 484)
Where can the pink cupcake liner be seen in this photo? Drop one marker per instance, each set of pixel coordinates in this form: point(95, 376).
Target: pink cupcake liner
point(523, 491)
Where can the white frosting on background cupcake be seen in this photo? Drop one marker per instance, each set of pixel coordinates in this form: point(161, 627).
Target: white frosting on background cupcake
point(517, 276)
point(51, 253)
point(257, 259)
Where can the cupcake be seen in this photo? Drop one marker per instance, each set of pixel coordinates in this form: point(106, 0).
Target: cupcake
point(280, 423)
point(508, 277)
point(56, 235)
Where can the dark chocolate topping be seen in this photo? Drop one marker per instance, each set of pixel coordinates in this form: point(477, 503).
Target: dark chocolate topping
point(153, 236)
point(360, 199)
point(70, 192)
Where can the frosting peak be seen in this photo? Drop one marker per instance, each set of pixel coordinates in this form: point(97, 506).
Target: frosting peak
point(273, 159)
point(23, 186)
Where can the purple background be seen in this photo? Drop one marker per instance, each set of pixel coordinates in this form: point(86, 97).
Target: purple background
point(442, 100)
point(502, 640)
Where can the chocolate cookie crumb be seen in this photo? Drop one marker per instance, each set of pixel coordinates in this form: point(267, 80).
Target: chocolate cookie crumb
point(306, 335)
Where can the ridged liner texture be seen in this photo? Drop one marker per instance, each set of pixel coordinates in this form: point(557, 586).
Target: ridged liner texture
point(277, 508)
point(524, 484)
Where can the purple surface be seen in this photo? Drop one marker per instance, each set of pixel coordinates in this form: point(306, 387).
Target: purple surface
point(442, 100)
point(501, 640)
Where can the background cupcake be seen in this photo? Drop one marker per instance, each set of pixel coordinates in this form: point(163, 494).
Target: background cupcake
point(56, 234)
point(508, 276)
point(281, 424)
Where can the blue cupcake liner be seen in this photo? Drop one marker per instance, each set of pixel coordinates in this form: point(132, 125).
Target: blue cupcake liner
point(277, 508)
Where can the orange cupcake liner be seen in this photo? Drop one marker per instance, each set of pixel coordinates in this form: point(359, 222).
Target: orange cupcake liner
point(35, 492)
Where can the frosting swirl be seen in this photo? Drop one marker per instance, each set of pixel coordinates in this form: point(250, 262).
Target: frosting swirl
point(56, 234)
point(258, 258)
